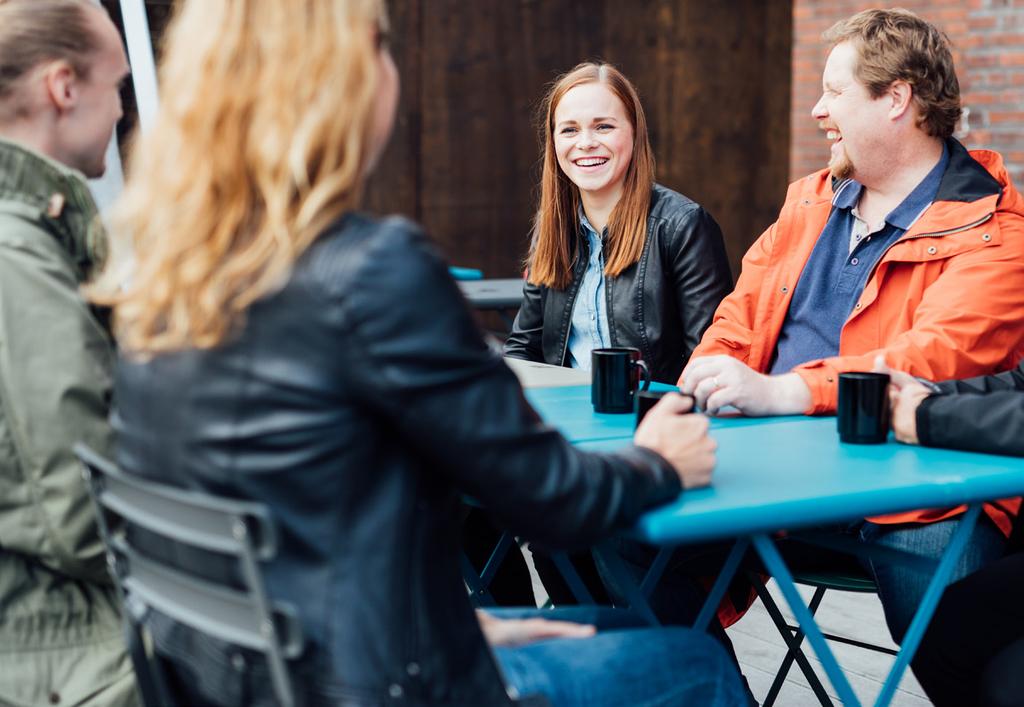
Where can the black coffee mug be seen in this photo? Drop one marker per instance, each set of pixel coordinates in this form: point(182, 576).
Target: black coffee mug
point(615, 376)
point(862, 416)
point(646, 399)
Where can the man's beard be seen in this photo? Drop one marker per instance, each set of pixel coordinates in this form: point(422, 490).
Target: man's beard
point(841, 167)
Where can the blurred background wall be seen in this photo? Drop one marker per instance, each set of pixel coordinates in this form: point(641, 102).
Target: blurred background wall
point(714, 78)
point(727, 85)
point(988, 44)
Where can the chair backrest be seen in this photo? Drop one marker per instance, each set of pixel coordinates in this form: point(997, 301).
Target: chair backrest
point(235, 609)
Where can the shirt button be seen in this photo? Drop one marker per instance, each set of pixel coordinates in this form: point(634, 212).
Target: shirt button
point(854, 261)
point(413, 669)
point(932, 250)
point(857, 306)
point(784, 289)
point(986, 238)
point(395, 691)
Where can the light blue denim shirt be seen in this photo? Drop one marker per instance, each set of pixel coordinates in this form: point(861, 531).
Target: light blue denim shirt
point(589, 328)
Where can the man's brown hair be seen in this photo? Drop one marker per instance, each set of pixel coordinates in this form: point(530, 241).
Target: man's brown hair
point(33, 32)
point(897, 45)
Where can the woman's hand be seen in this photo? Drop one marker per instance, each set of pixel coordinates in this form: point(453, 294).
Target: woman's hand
point(682, 439)
point(508, 633)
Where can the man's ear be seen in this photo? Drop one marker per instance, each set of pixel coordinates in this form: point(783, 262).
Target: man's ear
point(901, 95)
point(61, 82)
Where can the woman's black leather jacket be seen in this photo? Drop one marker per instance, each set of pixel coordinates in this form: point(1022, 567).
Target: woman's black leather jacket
point(660, 305)
point(359, 403)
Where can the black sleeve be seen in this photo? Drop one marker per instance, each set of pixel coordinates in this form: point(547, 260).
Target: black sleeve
point(700, 273)
point(525, 339)
point(1009, 380)
point(419, 361)
point(991, 422)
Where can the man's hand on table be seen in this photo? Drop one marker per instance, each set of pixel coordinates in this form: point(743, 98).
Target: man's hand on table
point(718, 381)
point(905, 396)
point(509, 633)
point(682, 439)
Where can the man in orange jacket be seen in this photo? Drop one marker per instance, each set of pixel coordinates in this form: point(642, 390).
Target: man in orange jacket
point(908, 247)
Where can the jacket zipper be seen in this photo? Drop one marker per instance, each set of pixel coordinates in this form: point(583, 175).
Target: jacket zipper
point(607, 301)
point(572, 303)
point(947, 232)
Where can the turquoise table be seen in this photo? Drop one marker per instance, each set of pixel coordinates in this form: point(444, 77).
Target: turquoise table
point(790, 473)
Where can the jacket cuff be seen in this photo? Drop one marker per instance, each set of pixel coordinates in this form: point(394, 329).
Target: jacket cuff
point(822, 380)
point(923, 421)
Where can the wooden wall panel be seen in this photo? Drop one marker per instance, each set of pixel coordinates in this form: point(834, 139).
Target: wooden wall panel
point(395, 184)
point(714, 80)
point(714, 76)
point(484, 69)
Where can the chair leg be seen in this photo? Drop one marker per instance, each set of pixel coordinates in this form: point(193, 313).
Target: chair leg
point(149, 675)
point(479, 584)
point(478, 594)
point(794, 650)
point(787, 662)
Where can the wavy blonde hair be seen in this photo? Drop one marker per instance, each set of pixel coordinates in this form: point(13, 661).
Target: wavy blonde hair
point(556, 223)
point(263, 139)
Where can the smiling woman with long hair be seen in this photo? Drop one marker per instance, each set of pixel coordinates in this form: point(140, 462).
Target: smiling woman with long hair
point(281, 347)
point(615, 259)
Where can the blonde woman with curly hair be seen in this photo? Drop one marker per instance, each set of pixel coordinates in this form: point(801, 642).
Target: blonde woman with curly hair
point(282, 347)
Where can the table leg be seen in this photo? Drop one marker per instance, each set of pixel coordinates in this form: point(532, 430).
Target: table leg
point(777, 568)
point(636, 595)
point(622, 582)
point(732, 563)
point(929, 602)
point(572, 578)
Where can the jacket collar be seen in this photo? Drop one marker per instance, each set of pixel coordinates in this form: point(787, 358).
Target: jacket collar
point(965, 179)
point(60, 199)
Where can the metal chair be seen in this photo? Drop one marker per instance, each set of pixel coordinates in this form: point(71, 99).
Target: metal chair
point(794, 636)
point(236, 610)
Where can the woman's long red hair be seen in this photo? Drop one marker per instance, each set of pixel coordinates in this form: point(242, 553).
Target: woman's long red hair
point(556, 224)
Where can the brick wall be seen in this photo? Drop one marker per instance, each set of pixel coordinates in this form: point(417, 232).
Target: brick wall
point(988, 44)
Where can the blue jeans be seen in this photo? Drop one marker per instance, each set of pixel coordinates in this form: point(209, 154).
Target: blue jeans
point(902, 587)
point(649, 667)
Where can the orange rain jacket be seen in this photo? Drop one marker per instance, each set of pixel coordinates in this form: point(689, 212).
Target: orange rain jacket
point(944, 301)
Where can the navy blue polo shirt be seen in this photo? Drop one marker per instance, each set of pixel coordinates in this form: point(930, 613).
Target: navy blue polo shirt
point(835, 275)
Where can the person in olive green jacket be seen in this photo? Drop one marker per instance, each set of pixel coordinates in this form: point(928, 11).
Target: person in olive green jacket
point(61, 643)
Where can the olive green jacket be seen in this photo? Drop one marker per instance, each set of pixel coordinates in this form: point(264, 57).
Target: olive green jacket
point(60, 630)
